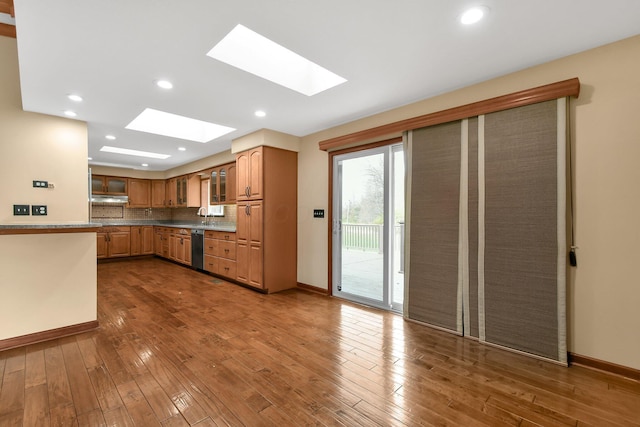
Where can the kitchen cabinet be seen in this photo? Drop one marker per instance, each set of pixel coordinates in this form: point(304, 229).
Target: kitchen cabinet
point(180, 245)
point(161, 241)
point(184, 191)
point(142, 240)
point(266, 228)
point(249, 169)
point(249, 251)
point(171, 190)
point(223, 185)
point(139, 191)
point(158, 192)
point(114, 242)
point(220, 253)
point(183, 249)
point(109, 185)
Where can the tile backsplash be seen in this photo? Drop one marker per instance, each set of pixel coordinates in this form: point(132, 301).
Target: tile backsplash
point(116, 213)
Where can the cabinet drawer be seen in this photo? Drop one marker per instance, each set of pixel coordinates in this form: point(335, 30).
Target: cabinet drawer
point(226, 249)
point(210, 263)
point(226, 268)
point(220, 235)
point(211, 247)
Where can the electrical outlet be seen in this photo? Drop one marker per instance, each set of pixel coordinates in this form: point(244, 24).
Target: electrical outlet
point(39, 210)
point(40, 184)
point(21, 209)
point(318, 213)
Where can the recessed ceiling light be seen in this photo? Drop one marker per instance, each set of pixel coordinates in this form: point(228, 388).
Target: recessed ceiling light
point(89, 158)
point(473, 15)
point(260, 113)
point(70, 113)
point(245, 49)
point(129, 152)
point(74, 97)
point(182, 149)
point(164, 84)
point(110, 137)
point(145, 164)
point(173, 125)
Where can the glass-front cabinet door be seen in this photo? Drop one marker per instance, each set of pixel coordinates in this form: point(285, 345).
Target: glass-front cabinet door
point(223, 185)
point(213, 193)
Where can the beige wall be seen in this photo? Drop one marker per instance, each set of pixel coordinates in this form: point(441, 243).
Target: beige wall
point(38, 147)
point(604, 295)
point(46, 281)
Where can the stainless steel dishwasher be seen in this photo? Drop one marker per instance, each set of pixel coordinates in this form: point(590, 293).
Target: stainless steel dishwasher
point(197, 249)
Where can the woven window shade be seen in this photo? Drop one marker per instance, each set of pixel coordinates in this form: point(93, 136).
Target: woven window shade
point(472, 310)
point(491, 264)
point(521, 233)
point(434, 297)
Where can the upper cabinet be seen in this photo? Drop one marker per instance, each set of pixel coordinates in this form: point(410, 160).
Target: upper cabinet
point(110, 185)
point(250, 177)
point(183, 191)
point(139, 191)
point(222, 184)
point(158, 192)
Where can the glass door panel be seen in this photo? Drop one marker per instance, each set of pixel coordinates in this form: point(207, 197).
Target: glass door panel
point(365, 220)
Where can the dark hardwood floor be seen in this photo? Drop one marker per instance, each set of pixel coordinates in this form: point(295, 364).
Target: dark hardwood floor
point(176, 348)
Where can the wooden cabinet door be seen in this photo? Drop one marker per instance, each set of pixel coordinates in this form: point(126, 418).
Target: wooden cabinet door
point(116, 186)
point(255, 266)
point(158, 191)
point(255, 173)
point(171, 190)
point(172, 246)
point(157, 242)
point(97, 184)
point(146, 244)
point(139, 193)
point(242, 262)
point(255, 223)
point(242, 176)
point(179, 248)
point(187, 250)
point(102, 245)
point(119, 244)
point(192, 191)
point(231, 191)
point(136, 241)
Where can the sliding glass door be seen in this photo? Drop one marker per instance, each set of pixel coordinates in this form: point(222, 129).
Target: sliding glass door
point(368, 226)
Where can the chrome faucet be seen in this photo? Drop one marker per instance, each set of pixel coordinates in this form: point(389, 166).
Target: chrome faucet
point(206, 214)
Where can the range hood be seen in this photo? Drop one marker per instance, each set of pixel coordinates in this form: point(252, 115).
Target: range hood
point(115, 200)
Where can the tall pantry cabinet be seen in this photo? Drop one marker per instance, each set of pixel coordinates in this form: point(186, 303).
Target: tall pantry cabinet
point(267, 219)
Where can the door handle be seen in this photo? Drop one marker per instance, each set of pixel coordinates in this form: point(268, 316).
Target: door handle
point(247, 191)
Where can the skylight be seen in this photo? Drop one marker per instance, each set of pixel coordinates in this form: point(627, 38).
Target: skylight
point(128, 152)
point(256, 54)
point(173, 125)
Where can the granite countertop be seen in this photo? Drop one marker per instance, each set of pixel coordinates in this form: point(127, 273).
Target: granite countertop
point(215, 227)
point(6, 229)
point(48, 226)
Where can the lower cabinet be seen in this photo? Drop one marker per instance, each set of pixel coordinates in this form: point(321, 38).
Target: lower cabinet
point(250, 248)
point(113, 242)
point(182, 250)
point(142, 240)
point(220, 253)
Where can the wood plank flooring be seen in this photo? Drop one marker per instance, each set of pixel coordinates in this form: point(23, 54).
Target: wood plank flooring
point(179, 348)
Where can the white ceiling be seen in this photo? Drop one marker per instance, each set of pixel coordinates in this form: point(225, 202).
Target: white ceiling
point(391, 52)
